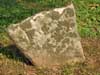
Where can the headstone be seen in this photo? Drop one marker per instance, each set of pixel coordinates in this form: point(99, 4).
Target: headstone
point(49, 38)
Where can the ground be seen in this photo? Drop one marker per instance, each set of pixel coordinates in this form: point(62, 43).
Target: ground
point(88, 21)
point(15, 65)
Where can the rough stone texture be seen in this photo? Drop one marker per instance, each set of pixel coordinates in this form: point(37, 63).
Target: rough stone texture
point(49, 38)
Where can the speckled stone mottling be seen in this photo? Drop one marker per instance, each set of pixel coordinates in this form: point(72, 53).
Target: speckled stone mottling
point(49, 38)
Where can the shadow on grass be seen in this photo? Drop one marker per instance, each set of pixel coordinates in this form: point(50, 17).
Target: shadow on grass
point(12, 52)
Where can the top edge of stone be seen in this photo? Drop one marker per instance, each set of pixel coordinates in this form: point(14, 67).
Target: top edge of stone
point(59, 9)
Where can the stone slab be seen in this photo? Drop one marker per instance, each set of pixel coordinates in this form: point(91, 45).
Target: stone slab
point(49, 38)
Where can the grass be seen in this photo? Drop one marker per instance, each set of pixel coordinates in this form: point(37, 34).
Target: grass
point(88, 13)
point(88, 21)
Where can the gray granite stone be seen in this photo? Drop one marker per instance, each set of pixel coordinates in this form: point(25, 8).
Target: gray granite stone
point(49, 38)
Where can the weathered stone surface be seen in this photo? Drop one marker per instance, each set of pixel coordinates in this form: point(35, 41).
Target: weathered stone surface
point(49, 38)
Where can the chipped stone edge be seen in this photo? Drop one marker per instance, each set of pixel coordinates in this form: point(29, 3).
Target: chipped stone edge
point(20, 49)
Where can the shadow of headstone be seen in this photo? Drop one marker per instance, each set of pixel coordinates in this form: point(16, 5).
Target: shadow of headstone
point(12, 52)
